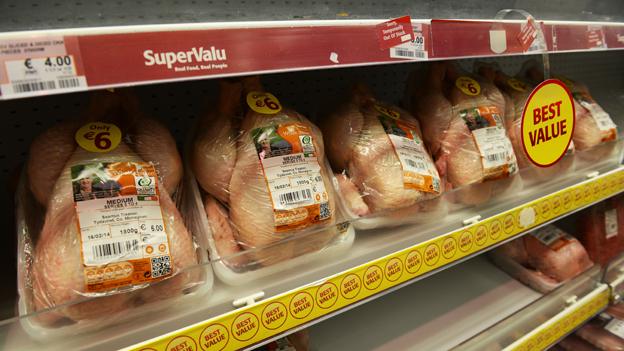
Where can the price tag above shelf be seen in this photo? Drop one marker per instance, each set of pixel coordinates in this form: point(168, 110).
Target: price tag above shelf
point(39, 63)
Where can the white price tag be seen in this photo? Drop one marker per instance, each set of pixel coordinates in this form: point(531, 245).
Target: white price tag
point(414, 49)
point(31, 75)
point(616, 326)
point(39, 65)
point(611, 223)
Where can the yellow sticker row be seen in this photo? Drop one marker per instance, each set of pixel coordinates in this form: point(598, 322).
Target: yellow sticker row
point(545, 337)
point(247, 326)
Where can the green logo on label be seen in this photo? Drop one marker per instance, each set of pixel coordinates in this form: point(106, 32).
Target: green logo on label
point(306, 139)
point(145, 181)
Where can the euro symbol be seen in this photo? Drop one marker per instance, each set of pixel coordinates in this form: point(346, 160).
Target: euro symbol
point(28, 63)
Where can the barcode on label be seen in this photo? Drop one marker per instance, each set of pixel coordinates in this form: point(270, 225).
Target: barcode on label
point(496, 157)
point(414, 164)
point(28, 87)
point(34, 86)
point(399, 52)
point(115, 249)
point(295, 197)
point(69, 83)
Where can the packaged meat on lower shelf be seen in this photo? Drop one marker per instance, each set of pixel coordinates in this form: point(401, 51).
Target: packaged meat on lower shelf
point(594, 129)
point(463, 126)
point(601, 229)
point(269, 193)
point(385, 172)
point(605, 332)
point(101, 238)
point(516, 91)
point(543, 259)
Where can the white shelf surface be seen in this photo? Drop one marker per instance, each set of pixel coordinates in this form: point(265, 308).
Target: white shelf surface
point(438, 313)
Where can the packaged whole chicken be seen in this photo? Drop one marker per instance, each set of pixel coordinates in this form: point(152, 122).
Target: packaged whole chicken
point(515, 92)
point(100, 233)
point(384, 170)
point(605, 332)
point(463, 126)
point(593, 128)
point(601, 229)
point(268, 189)
point(574, 343)
point(543, 259)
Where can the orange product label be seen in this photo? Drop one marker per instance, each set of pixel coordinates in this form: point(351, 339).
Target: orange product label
point(293, 174)
point(123, 236)
point(419, 171)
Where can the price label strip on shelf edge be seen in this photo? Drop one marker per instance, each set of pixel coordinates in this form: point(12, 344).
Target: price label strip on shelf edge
point(564, 322)
point(39, 65)
point(249, 325)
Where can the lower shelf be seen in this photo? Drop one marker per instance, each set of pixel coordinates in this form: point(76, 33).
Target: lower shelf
point(473, 306)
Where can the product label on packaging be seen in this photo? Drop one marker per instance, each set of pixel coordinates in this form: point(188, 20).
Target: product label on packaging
point(293, 174)
point(604, 122)
point(548, 123)
point(552, 237)
point(262, 102)
point(123, 235)
point(611, 223)
point(616, 326)
point(419, 171)
point(488, 131)
point(38, 65)
point(468, 86)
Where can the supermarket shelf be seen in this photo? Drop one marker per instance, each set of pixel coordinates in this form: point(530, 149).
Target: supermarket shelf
point(105, 57)
point(36, 14)
point(547, 321)
point(484, 298)
point(380, 261)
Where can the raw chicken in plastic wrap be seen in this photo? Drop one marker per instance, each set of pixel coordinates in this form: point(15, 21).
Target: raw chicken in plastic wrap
point(269, 193)
point(601, 229)
point(543, 259)
point(463, 125)
point(574, 343)
point(516, 92)
point(382, 163)
point(605, 332)
point(98, 222)
point(594, 128)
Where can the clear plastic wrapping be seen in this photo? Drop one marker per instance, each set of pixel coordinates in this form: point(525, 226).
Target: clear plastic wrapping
point(515, 92)
point(384, 169)
point(601, 229)
point(593, 126)
point(543, 259)
point(100, 233)
point(463, 121)
point(604, 332)
point(269, 193)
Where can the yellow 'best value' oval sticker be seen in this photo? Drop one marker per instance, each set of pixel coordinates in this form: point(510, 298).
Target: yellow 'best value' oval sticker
point(98, 137)
point(265, 103)
point(468, 86)
point(547, 123)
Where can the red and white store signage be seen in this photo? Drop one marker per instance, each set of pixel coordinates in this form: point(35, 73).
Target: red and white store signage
point(43, 64)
